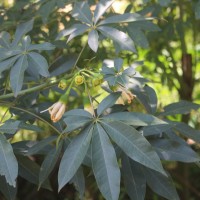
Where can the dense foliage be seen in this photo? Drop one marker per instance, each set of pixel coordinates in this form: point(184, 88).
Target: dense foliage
point(74, 106)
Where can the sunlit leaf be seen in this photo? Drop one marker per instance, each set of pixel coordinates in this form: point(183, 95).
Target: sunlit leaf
point(93, 38)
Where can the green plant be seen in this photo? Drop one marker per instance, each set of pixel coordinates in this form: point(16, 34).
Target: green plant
point(111, 139)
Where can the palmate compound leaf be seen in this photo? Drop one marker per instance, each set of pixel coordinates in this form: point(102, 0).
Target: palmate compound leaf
point(73, 156)
point(8, 165)
point(160, 184)
point(133, 144)
point(104, 164)
point(134, 179)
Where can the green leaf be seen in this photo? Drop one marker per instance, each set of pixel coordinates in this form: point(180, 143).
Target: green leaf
point(81, 11)
point(5, 53)
point(155, 129)
point(17, 74)
point(134, 179)
point(182, 107)
point(73, 156)
point(26, 41)
point(29, 170)
point(126, 17)
point(164, 2)
point(160, 184)
point(79, 182)
point(68, 31)
point(40, 145)
point(122, 39)
point(8, 166)
point(41, 47)
point(138, 37)
point(152, 97)
point(133, 144)
point(172, 150)
point(78, 30)
point(22, 29)
point(75, 119)
point(93, 38)
point(5, 39)
point(197, 10)
point(49, 163)
point(30, 127)
point(108, 102)
point(38, 62)
point(134, 118)
point(7, 64)
point(46, 9)
point(10, 127)
point(118, 64)
point(104, 164)
point(187, 131)
point(8, 191)
point(101, 8)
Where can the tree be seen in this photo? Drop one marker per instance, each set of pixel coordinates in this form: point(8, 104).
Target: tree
point(80, 107)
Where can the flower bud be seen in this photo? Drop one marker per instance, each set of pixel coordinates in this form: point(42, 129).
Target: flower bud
point(79, 79)
point(63, 84)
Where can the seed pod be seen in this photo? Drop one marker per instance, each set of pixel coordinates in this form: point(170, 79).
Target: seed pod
point(63, 84)
point(79, 79)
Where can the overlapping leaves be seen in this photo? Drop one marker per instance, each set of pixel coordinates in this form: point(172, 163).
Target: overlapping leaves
point(18, 56)
point(91, 22)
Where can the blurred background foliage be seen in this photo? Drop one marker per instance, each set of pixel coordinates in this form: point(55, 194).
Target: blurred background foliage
point(170, 52)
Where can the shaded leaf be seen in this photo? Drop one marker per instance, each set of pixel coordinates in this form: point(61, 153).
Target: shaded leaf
point(108, 102)
point(29, 170)
point(49, 163)
point(160, 184)
point(155, 129)
point(93, 38)
point(122, 39)
point(182, 107)
point(40, 145)
point(8, 191)
point(73, 156)
point(134, 144)
point(9, 165)
point(172, 150)
point(10, 127)
point(79, 182)
point(104, 164)
point(134, 179)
